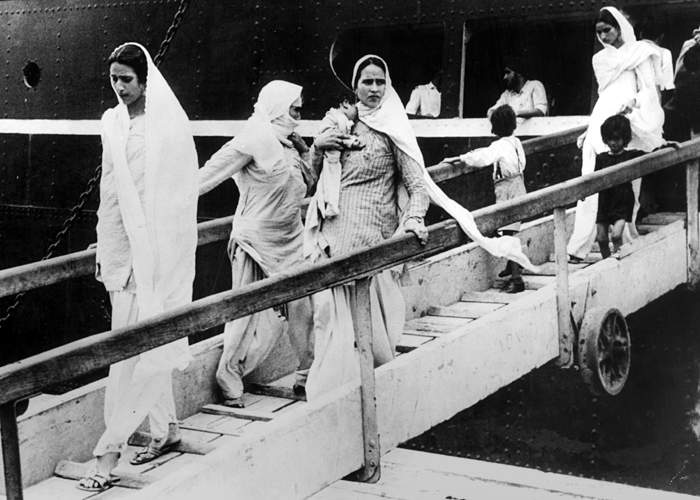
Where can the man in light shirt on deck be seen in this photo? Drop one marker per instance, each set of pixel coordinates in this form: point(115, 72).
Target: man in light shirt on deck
point(425, 100)
point(527, 97)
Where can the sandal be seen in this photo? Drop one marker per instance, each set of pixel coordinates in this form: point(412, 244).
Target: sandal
point(158, 447)
point(516, 285)
point(234, 402)
point(97, 482)
point(151, 452)
point(575, 260)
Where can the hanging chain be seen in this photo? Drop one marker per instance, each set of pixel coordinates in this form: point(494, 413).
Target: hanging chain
point(94, 180)
point(177, 21)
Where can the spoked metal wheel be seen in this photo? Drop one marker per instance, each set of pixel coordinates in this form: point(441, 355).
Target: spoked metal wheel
point(605, 350)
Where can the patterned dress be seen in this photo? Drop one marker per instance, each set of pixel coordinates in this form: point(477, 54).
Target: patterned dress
point(368, 203)
point(368, 214)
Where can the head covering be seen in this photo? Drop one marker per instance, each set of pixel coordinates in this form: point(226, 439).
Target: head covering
point(626, 29)
point(611, 62)
point(162, 231)
point(270, 124)
point(389, 117)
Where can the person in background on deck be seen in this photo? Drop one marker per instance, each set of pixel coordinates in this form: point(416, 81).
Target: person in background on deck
point(666, 83)
point(146, 243)
point(528, 98)
point(615, 204)
point(425, 100)
point(507, 156)
point(384, 190)
point(628, 72)
point(266, 160)
point(685, 103)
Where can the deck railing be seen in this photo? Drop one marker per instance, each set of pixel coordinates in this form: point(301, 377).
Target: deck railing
point(47, 272)
point(29, 376)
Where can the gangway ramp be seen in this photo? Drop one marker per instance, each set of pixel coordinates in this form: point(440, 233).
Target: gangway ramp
point(482, 331)
point(307, 446)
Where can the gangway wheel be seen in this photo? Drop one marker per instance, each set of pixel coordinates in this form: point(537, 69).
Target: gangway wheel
point(605, 350)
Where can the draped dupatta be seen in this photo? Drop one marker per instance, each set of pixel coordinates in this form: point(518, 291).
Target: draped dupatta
point(267, 129)
point(389, 117)
point(162, 231)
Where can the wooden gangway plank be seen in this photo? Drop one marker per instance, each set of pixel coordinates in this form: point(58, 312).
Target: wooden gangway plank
point(468, 310)
point(228, 429)
point(417, 475)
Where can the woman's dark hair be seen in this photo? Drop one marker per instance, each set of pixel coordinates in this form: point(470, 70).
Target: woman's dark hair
point(364, 64)
point(606, 17)
point(132, 56)
point(503, 121)
point(616, 126)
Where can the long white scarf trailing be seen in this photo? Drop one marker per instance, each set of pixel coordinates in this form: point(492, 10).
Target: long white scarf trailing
point(389, 117)
point(162, 231)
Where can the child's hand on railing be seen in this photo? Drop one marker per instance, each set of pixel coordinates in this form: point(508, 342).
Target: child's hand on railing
point(453, 160)
point(92, 246)
point(672, 144)
point(580, 139)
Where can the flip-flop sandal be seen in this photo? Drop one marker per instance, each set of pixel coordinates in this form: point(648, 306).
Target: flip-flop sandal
point(96, 482)
point(150, 453)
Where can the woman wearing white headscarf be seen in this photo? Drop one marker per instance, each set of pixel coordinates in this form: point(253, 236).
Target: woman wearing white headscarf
point(384, 189)
point(628, 72)
point(146, 243)
point(266, 237)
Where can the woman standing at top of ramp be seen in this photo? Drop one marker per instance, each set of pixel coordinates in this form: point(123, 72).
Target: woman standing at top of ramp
point(146, 243)
point(266, 162)
point(627, 72)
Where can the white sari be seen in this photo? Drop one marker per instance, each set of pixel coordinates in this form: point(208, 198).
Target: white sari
point(631, 71)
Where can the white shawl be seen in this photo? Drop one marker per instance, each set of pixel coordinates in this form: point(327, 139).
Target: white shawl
point(162, 232)
point(609, 64)
point(389, 117)
point(269, 125)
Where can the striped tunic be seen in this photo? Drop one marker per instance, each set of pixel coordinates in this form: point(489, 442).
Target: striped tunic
point(368, 205)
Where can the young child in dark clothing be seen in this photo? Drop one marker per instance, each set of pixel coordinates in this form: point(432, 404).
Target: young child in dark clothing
point(615, 204)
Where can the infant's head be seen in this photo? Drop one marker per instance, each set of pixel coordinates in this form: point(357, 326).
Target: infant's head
point(347, 104)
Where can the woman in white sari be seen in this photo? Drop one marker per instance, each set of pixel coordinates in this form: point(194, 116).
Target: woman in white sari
point(384, 189)
point(628, 72)
point(267, 163)
point(146, 243)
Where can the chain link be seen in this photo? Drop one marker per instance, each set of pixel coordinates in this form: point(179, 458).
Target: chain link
point(177, 21)
point(94, 180)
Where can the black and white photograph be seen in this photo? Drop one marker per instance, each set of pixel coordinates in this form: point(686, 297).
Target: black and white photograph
point(349, 249)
